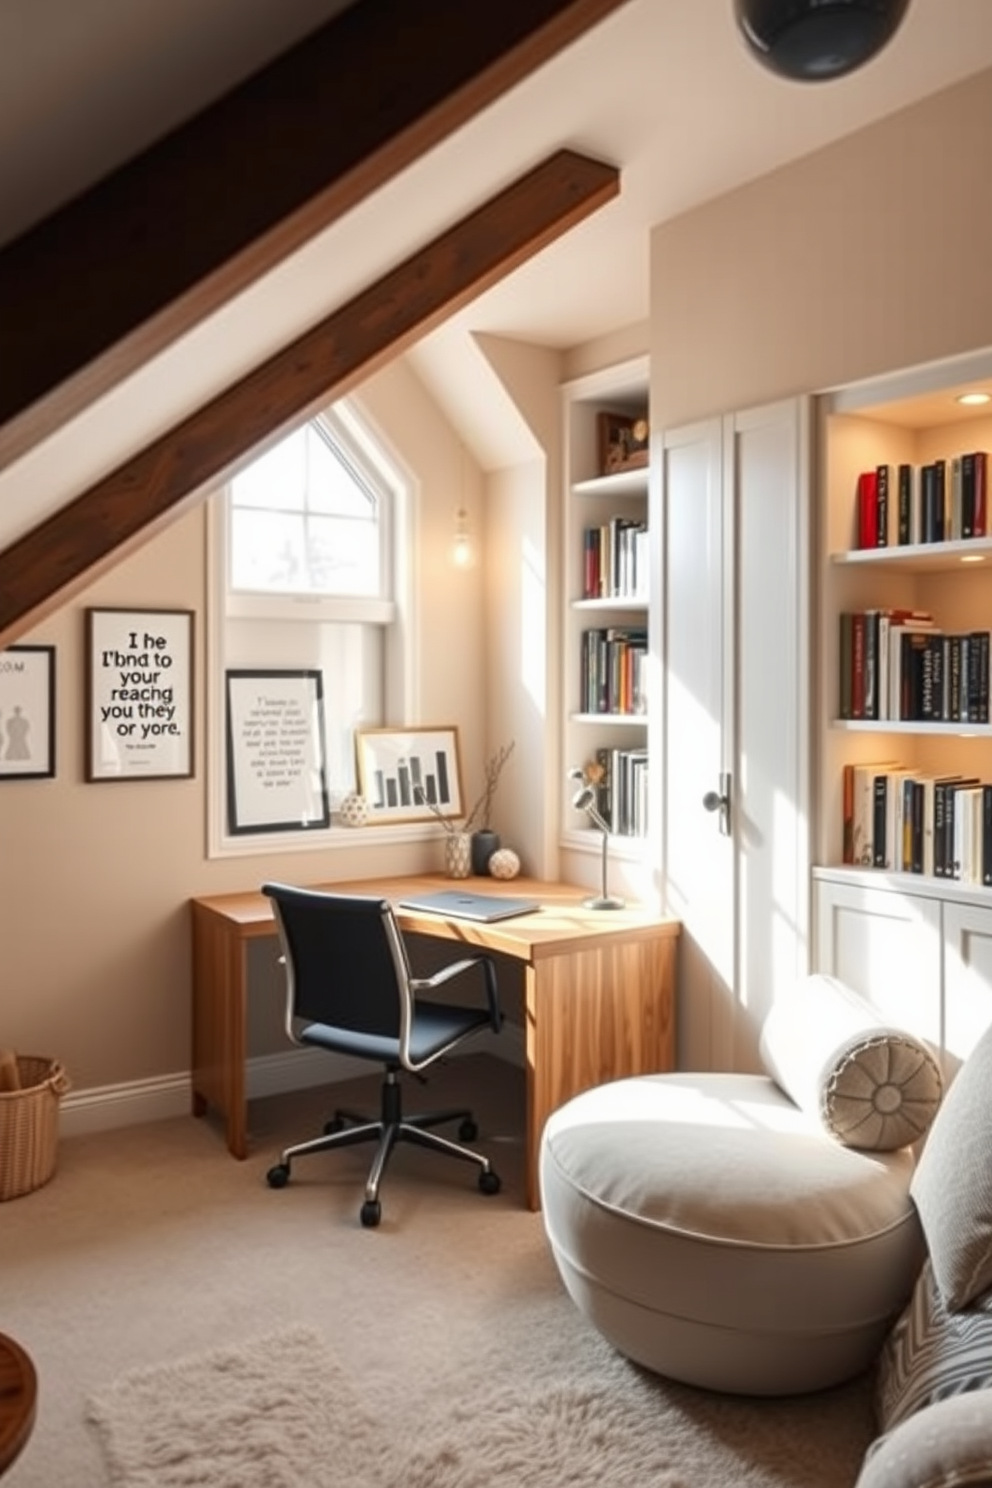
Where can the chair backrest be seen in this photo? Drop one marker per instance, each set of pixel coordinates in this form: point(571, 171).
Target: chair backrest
point(346, 964)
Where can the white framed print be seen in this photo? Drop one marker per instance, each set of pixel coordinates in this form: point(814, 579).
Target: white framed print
point(410, 774)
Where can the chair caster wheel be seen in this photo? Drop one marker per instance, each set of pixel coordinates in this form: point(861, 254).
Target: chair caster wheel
point(489, 1181)
point(278, 1176)
point(468, 1131)
point(371, 1213)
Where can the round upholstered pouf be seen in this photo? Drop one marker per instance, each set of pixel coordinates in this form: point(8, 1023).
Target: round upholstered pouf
point(713, 1232)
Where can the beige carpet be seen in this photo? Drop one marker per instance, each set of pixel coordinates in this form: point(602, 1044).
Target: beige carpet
point(280, 1412)
point(458, 1360)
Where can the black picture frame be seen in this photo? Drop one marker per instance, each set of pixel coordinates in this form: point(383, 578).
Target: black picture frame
point(276, 752)
point(27, 713)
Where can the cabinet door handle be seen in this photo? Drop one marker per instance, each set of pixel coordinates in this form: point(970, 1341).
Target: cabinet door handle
point(720, 801)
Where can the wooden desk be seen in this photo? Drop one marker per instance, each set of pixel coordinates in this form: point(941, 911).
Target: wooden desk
point(599, 999)
point(18, 1398)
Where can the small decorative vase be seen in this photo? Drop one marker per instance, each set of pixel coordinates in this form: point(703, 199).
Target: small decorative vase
point(353, 810)
point(484, 844)
point(458, 854)
point(504, 863)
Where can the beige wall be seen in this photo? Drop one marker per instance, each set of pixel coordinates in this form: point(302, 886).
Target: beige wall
point(95, 878)
point(869, 256)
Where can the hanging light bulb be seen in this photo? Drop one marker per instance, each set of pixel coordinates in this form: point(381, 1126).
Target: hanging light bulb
point(462, 552)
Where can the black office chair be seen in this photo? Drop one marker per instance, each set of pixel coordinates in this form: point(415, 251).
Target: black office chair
point(349, 989)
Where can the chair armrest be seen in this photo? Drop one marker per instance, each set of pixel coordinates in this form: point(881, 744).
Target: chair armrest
point(946, 1444)
point(457, 968)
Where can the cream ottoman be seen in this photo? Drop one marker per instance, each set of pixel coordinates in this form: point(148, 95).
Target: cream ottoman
point(718, 1232)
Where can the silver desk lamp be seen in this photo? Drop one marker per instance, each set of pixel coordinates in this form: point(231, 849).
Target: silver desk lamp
point(585, 800)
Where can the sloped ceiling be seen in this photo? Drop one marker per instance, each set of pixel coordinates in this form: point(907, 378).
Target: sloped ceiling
point(661, 88)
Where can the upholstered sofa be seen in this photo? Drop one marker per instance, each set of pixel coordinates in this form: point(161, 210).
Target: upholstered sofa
point(773, 1234)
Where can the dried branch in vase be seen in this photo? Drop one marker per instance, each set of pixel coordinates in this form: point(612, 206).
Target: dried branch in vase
point(479, 818)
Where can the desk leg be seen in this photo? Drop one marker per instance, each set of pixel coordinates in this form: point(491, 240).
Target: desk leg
point(219, 1051)
point(598, 1014)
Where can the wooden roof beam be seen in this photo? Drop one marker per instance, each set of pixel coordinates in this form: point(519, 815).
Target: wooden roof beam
point(107, 281)
point(45, 567)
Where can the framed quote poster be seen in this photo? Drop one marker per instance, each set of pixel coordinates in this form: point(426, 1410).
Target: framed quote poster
point(276, 770)
point(139, 694)
point(27, 713)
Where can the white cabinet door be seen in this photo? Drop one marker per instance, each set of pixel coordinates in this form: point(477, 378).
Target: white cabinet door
point(767, 473)
point(967, 948)
point(735, 657)
point(697, 857)
point(887, 946)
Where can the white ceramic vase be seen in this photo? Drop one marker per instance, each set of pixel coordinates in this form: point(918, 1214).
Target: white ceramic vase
point(458, 854)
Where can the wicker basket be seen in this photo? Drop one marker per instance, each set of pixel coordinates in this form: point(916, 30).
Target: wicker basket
point(29, 1125)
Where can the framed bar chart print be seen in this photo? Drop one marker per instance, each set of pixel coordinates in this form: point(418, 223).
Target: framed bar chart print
point(409, 774)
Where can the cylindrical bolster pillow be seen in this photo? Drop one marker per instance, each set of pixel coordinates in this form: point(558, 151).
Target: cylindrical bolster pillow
point(872, 1084)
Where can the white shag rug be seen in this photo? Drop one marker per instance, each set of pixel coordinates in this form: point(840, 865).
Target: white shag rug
point(281, 1412)
point(263, 1414)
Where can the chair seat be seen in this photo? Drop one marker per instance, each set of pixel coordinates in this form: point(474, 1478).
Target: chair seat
point(715, 1233)
point(435, 1027)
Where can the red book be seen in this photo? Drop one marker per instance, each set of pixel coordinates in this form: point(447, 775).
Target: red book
point(868, 509)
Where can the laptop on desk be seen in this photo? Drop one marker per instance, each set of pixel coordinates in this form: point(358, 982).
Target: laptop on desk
point(462, 904)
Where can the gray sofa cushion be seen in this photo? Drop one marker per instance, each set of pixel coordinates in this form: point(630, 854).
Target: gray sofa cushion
point(948, 1445)
point(952, 1184)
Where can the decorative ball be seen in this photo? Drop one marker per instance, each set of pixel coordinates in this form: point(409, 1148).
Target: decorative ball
point(504, 863)
point(353, 810)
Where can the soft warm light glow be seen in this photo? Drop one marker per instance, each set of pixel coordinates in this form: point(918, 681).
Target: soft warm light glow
point(973, 558)
point(973, 399)
point(462, 552)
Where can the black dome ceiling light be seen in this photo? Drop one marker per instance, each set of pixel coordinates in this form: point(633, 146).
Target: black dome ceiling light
point(815, 40)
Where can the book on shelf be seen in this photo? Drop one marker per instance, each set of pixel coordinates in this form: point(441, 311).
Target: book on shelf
point(944, 500)
point(904, 820)
point(613, 667)
point(622, 793)
point(614, 560)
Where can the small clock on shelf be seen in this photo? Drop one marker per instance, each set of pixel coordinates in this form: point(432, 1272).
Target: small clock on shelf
point(623, 442)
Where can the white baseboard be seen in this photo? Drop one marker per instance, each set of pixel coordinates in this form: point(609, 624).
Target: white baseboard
point(106, 1107)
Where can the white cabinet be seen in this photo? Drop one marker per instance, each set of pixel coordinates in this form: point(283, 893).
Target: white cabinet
point(735, 664)
point(922, 960)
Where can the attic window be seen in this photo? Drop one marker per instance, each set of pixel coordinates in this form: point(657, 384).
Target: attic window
point(305, 519)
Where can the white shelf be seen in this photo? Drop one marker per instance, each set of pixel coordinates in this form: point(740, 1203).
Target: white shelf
point(609, 718)
point(620, 483)
point(923, 884)
point(955, 728)
point(921, 557)
point(611, 603)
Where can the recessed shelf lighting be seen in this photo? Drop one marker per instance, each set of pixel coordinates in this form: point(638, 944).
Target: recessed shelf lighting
point(972, 557)
point(971, 400)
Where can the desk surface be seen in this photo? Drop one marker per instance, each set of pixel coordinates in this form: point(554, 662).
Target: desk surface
point(561, 924)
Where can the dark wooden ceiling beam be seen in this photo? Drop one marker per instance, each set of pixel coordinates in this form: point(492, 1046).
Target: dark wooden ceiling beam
point(97, 288)
point(46, 566)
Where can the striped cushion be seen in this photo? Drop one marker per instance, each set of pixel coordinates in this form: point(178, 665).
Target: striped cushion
point(932, 1353)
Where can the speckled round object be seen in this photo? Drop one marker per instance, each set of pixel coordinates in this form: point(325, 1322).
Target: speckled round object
point(353, 810)
point(504, 863)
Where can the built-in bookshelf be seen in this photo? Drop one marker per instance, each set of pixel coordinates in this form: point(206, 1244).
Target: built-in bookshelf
point(905, 626)
point(607, 601)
